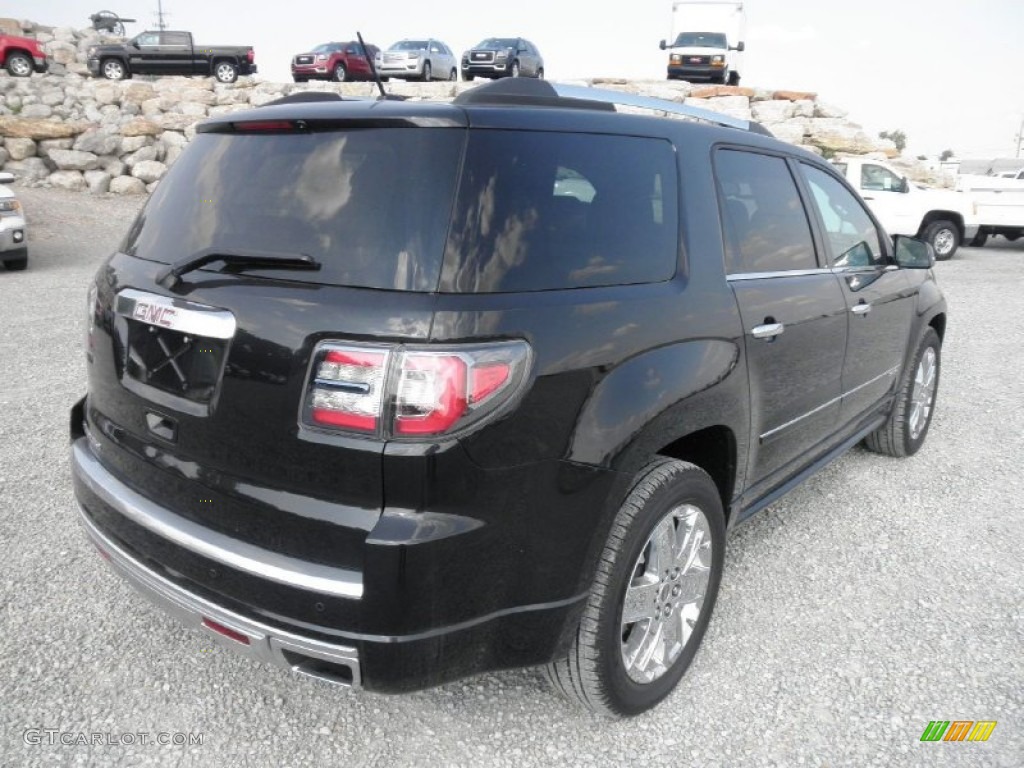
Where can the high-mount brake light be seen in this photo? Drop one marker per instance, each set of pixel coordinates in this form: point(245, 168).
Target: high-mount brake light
point(429, 391)
point(261, 126)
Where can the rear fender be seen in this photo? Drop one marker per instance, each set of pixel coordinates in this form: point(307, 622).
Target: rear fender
point(655, 398)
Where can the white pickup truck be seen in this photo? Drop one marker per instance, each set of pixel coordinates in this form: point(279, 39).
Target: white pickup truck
point(941, 217)
point(999, 201)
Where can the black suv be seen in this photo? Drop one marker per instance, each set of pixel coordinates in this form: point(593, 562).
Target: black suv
point(502, 57)
point(390, 393)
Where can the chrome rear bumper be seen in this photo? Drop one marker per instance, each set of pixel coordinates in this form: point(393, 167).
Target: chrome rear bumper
point(336, 664)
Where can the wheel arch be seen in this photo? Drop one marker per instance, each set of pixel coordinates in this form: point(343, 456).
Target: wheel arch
point(713, 449)
point(11, 50)
point(942, 215)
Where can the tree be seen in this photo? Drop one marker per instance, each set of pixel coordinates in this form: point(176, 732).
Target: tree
point(899, 138)
point(946, 154)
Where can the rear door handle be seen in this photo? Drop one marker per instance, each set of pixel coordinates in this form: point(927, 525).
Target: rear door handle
point(861, 309)
point(767, 331)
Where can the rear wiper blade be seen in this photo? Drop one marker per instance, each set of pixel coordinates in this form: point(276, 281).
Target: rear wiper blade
point(168, 278)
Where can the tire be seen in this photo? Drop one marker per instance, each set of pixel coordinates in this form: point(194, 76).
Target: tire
point(467, 77)
point(904, 432)
point(734, 78)
point(299, 78)
point(979, 240)
point(113, 69)
point(19, 65)
point(540, 73)
point(428, 72)
point(724, 79)
point(944, 237)
point(339, 73)
point(1013, 235)
point(19, 263)
point(225, 72)
point(669, 498)
point(514, 72)
point(453, 75)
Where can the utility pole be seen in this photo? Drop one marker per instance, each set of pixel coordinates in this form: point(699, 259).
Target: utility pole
point(1020, 136)
point(160, 23)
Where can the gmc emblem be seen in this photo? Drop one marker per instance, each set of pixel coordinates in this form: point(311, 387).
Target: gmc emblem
point(154, 315)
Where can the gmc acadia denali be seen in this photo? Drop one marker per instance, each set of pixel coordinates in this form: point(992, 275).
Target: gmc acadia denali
point(391, 393)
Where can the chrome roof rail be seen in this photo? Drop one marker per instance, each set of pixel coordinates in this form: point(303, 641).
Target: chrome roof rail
point(647, 102)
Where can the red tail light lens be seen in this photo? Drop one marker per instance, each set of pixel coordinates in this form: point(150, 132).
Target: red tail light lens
point(251, 55)
point(428, 391)
point(431, 394)
point(348, 388)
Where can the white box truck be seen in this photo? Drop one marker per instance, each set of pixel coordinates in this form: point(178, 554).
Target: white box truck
point(707, 41)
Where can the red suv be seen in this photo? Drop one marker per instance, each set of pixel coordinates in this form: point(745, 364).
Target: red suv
point(334, 61)
point(22, 55)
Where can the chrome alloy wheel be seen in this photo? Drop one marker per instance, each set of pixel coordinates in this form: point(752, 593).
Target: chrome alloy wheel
point(666, 593)
point(944, 242)
point(923, 393)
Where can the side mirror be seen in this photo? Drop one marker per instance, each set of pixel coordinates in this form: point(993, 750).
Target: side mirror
point(662, 45)
point(912, 253)
point(7, 177)
point(739, 47)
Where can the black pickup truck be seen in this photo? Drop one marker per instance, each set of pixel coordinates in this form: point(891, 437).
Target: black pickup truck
point(170, 53)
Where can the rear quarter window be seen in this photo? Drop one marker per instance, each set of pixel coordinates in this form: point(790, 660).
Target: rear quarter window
point(543, 211)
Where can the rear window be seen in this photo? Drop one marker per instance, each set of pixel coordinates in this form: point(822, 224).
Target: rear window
point(385, 208)
point(540, 211)
point(371, 205)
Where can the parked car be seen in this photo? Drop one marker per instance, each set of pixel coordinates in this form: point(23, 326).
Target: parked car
point(170, 53)
point(13, 230)
point(334, 61)
point(419, 60)
point(21, 56)
point(503, 418)
point(503, 57)
point(942, 217)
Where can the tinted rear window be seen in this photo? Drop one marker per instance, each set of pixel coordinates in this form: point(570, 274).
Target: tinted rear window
point(371, 205)
point(540, 211)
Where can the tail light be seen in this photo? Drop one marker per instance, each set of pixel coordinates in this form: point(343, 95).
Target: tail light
point(251, 55)
point(412, 392)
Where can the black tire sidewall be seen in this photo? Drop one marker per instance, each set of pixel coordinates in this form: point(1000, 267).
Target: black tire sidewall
point(928, 339)
point(627, 696)
point(932, 231)
point(340, 68)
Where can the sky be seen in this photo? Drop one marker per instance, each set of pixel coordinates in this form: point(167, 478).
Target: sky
point(948, 73)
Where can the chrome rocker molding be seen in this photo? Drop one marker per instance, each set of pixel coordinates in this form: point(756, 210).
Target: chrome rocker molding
point(337, 582)
point(337, 664)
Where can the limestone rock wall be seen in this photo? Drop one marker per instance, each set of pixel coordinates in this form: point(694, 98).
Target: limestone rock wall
point(66, 129)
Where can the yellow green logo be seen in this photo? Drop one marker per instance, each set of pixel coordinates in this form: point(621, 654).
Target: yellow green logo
point(958, 730)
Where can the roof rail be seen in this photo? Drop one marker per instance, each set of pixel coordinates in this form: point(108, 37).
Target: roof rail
point(661, 105)
point(548, 94)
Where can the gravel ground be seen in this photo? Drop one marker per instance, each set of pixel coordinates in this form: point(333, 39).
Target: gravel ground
point(880, 595)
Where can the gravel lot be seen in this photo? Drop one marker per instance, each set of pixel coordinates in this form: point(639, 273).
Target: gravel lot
point(880, 595)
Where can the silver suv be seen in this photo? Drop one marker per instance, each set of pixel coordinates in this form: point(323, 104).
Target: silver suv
point(418, 60)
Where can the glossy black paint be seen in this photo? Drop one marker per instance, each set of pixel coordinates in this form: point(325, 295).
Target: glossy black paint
point(478, 553)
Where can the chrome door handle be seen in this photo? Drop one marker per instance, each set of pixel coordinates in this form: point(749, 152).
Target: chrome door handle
point(767, 331)
point(860, 309)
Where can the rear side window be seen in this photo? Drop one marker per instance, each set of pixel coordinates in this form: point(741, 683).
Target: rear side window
point(372, 205)
point(540, 211)
point(766, 225)
point(851, 234)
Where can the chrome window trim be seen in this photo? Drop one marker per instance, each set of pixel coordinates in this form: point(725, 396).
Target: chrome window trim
point(891, 372)
point(739, 276)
